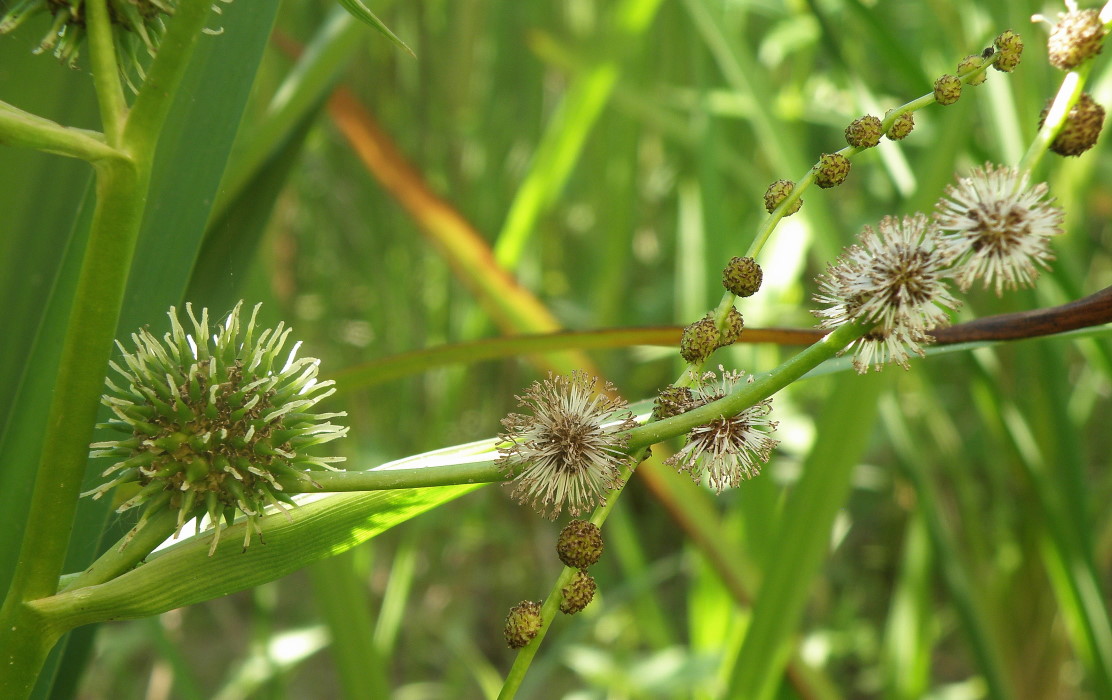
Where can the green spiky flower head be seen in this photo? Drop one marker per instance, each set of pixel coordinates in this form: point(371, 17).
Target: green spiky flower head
point(214, 424)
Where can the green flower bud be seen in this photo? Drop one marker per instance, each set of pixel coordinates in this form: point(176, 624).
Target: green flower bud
point(947, 89)
point(1082, 127)
point(864, 132)
point(777, 192)
point(735, 324)
point(671, 401)
point(832, 170)
point(1010, 47)
point(215, 425)
point(579, 544)
point(699, 340)
point(742, 276)
point(578, 593)
point(523, 623)
point(901, 127)
point(1077, 36)
point(971, 63)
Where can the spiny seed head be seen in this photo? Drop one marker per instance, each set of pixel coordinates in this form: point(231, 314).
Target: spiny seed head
point(523, 623)
point(578, 593)
point(832, 170)
point(731, 332)
point(1009, 46)
point(901, 127)
point(864, 132)
point(971, 63)
point(213, 424)
point(672, 401)
point(580, 544)
point(137, 28)
point(1082, 128)
point(894, 279)
point(947, 89)
point(569, 452)
point(1078, 36)
point(742, 276)
point(996, 227)
point(699, 340)
point(777, 192)
point(727, 449)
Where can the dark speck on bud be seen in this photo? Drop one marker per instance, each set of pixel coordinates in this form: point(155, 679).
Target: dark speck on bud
point(578, 593)
point(699, 340)
point(1010, 47)
point(947, 89)
point(1082, 127)
point(523, 623)
point(832, 170)
point(901, 127)
point(579, 544)
point(777, 192)
point(742, 276)
point(864, 132)
point(1077, 36)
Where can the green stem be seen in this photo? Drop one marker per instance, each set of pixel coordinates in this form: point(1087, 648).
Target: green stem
point(26, 130)
point(1068, 93)
point(106, 71)
point(120, 559)
point(26, 638)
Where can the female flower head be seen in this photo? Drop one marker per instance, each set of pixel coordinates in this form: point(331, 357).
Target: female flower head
point(997, 228)
point(893, 280)
point(727, 449)
point(214, 424)
point(570, 450)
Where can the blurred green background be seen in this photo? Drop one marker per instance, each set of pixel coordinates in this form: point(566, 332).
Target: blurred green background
point(613, 157)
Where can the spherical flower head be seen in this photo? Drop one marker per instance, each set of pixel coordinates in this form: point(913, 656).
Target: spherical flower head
point(523, 623)
point(864, 132)
point(1082, 128)
point(727, 449)
point(672, 401)
point(137, 28)
point(971, 63)
point(699, 340)
point(777, 192)
point(996, 227)
point(947, 89)
point(214, 424)
point(578, 594)
point(832, 170)
point(901, 127)
point(731, 331)
point(1077, 36)
point(1009, 49)
point(893, 279)
point(742, 276)
point(569, 452)
point(579, 544)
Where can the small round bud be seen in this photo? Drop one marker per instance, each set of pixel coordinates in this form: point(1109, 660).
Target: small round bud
point(1076, 37)
point(523, 623)
point(1010, 47)
point(742, 277)
point(1082, 127)
point(735, 324)
point(947, 89)
point(671, 401)
point(831, 170)
point(777, 192)
point(580, 543)
point(699, 340)
point(578, 593)
point(864, 132)
point(970, 64)
point(901, 127)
